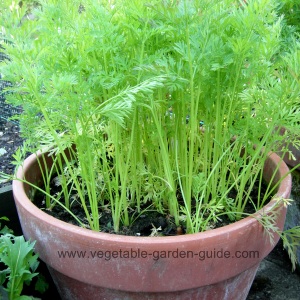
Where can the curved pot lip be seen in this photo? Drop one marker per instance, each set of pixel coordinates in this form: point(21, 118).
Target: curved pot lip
point(19, 193)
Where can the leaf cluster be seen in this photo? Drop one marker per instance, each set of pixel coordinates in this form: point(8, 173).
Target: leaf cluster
point(157, 103)
point(20, 261)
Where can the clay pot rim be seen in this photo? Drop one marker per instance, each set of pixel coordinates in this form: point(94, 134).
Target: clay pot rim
point(19, 193)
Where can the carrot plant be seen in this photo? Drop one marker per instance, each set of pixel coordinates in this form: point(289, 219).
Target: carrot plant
point(152, 103)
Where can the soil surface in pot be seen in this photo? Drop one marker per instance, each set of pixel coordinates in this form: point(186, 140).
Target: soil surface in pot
point(147, 222)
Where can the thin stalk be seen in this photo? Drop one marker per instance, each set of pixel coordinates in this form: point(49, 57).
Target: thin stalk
point(172, 200)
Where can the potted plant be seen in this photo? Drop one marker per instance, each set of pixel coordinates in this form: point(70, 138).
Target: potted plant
point(150, 119)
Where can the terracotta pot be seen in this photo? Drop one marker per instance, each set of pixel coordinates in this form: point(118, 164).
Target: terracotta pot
point(132, 269)
point(296, 153)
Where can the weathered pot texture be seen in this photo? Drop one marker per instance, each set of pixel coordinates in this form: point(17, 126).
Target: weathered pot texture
point(216, 264)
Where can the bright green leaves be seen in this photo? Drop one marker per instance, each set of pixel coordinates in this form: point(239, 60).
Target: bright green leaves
point(20, 261)
point(291, 241)
point(131, 81)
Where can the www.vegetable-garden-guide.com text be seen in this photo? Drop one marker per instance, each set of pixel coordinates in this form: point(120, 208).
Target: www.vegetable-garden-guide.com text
point(159, 254)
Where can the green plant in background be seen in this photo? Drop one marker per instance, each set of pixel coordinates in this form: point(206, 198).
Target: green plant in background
point(287, 74)
point(152, 104)
point(291, 10)
point(20, 261)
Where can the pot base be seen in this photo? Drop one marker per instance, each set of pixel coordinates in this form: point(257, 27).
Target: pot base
point(236, 288)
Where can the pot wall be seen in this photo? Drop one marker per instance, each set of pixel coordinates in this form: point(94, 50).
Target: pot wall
point(120, 277)
point(235, 288)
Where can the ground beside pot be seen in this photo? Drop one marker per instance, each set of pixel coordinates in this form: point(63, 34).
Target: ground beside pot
point(10, 140)
point(8, 209)
point(293, 211)
point(274, 279)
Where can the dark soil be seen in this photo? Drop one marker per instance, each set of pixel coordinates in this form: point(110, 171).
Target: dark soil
point(10, 140)
point(147, 222)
